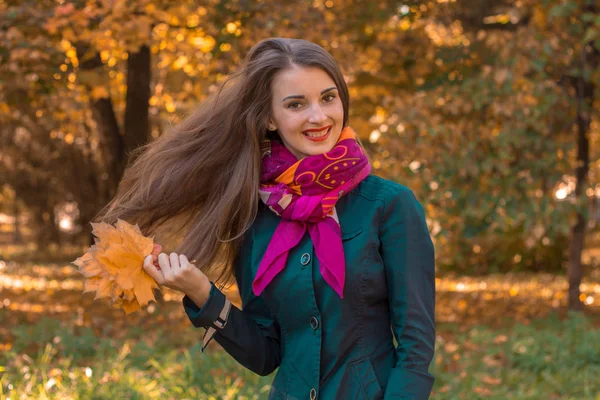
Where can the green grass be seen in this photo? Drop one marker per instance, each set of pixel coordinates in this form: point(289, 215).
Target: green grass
point(53, 360)
point(547, 359)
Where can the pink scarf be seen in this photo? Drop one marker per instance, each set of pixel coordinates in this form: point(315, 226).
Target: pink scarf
point(304, 193)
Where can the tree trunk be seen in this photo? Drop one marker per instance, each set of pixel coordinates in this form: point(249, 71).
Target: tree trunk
point(575, 268)
point(590, 57)
point(116, 147)
point(111, 143)
point(137, 99)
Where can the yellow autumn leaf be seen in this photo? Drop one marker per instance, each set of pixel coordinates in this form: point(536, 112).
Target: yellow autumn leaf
point(91, 284)
point(130, 306)
point(104, 289)
point(113, 266)
point(99, 92)
point(88, 266)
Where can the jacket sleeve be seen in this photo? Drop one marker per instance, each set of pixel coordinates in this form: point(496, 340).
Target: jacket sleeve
point(408, 256)
point(251, 335)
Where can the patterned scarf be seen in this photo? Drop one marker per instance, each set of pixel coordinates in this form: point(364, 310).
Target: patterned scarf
point(304, 193)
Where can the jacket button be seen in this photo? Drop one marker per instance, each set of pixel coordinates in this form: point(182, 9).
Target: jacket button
point(314, 322)
point(313, 394)
point(305, 259)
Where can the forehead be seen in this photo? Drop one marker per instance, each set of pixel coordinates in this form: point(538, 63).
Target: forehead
point(301, 81)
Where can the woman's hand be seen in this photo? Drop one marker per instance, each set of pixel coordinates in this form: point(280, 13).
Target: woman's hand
point(176, 272)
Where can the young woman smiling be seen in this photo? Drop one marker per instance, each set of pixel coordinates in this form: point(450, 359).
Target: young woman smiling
point(270, 183)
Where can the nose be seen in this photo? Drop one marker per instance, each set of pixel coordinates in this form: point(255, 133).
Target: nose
point(316, 116)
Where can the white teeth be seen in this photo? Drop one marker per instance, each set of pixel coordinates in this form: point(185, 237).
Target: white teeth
point(317, 134)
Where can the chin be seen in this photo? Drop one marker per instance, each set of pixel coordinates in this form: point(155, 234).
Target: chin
point(322, 149)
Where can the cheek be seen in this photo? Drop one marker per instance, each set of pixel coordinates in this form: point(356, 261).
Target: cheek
point(340, 111)
point(291, 123)
point(288, 129)
point(335, 111)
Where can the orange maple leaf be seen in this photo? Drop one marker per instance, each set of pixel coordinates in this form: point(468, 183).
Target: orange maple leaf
point(113, 265)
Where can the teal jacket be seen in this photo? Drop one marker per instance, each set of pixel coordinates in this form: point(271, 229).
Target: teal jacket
point(327, 347)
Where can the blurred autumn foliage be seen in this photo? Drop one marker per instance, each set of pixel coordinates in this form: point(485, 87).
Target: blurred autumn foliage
point(486, 109)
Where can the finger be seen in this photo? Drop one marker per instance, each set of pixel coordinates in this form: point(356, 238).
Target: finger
point(155, 252)
point(174, 258)
point(165, 265)
point(152, 271)
point(183, 261)
point(157, 249)
point(190, 262)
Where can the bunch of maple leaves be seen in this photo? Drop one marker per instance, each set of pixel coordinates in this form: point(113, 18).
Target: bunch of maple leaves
point(113, 266)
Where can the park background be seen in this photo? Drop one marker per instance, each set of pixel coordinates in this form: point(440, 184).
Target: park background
point(487, 110)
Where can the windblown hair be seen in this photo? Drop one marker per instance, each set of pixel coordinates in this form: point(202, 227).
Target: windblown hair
point(202, 176)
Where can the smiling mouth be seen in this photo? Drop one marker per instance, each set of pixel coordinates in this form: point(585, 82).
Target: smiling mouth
point(312, 133)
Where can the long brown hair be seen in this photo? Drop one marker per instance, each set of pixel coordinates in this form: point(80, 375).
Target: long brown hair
point(202, 176)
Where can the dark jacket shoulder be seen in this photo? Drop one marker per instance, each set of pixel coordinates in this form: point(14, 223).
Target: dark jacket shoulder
point(374, 187)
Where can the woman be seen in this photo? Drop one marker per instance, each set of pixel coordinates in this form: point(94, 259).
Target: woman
point(274, 186)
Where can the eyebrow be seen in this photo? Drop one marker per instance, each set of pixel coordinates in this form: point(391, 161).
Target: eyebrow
point(297, 96)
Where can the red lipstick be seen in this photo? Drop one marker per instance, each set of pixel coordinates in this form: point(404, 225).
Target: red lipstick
point(320, 138)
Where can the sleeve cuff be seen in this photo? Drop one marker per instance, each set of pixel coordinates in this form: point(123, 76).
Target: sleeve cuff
point(205, 316)
point(409, 384)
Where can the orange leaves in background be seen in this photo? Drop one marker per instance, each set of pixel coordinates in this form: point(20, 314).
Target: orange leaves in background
point(113, 266)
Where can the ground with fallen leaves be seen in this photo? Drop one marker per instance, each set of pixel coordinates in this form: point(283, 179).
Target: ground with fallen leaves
point(499, 336)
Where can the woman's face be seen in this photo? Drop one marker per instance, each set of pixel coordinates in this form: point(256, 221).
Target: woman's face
point(307, 110)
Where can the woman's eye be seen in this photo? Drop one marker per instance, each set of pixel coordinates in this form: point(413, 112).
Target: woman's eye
point(295, 105)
